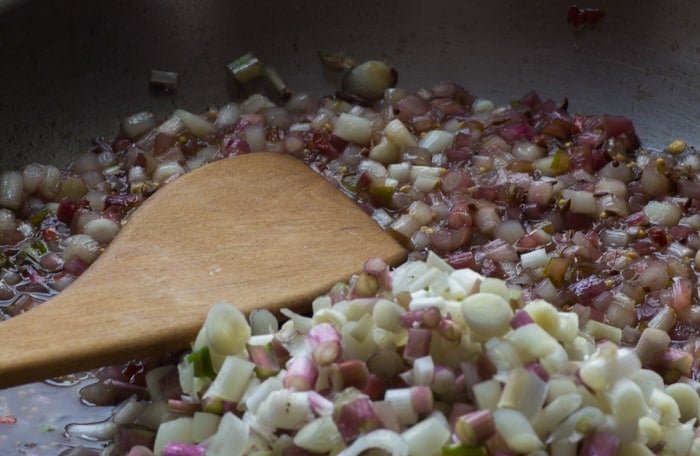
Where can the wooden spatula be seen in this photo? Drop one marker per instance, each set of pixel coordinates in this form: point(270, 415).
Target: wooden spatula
point(260, 231)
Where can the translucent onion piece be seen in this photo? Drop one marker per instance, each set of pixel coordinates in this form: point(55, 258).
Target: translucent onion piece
point(226, 329)
point(382, 439)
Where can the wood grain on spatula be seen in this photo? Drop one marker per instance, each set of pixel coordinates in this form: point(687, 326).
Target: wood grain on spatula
point(260, 231)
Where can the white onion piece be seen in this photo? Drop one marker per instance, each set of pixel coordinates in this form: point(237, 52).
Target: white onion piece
point(369, 79)
point(527, 151)
point(166, 170)
point(88, 161)
point(231, 437)
point(7, 220)
point(194, 123)
point(319, 436)
point(482, 105)
point(32, 176)
point(353, 128)
point(174, 126)
point(400, 171)
point(436, 140)
point(611, 186)
point(510, 231)
point(398, 134)
point(81, 246)
point(385, 151)
point(427, 436)
point(137, 124)
point(663, 213)
point(231, 380)
point(516, 431)
point(487, 314)
point(581, 201)
point(256, 103)
point(50, 185)
point(537, 258)
point(486, 219)
point(616, 170)
point(255, 137)
point(11, 189)
point(226, 329)
point(227, 115)
point(654, 183)
point(381, 439)
point(101, 229)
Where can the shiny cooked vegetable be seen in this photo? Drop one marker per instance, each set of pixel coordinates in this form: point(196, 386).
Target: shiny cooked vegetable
point(568, 208)
point(436, 361)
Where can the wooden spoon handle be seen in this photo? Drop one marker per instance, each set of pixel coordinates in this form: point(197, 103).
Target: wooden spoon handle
point(260, 231)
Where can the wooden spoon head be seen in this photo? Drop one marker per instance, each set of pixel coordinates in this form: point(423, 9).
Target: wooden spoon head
point(260, 231)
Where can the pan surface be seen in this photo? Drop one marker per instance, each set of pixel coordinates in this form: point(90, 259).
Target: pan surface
point(72, 69)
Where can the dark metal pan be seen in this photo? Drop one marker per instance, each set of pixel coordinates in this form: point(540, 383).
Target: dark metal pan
point(72, 69)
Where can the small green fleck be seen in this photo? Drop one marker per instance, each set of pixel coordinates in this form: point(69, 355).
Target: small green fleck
point(459, 449)
point(202, 363)
point(36, 218)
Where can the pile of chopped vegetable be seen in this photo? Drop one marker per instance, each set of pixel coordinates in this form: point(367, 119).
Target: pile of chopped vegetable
point(575, 225)
point(436, 360)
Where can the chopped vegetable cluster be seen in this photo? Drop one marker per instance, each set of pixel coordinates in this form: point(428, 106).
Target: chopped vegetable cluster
point(436, 361)
point(550, 304)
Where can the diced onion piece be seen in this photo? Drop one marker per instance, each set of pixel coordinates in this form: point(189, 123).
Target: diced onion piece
point(204, 425)
point(487, 394)
point(662, 213)
point(436, 141)
point(686, 399)
point(524, 391)
point(426, 437)
point(532, 342)
point(227, 330)
point(194, 123)
point(285, 409)
point(544, 314)
point(526, 150)
point(627, 402)
point(555, 412)
point(255, 137)
point(353, 128)
point(81, 246)
point(177, 430)
point(167, 169)
point(400, 171)
point(174, 126)
point(319, 436)
point(137, 124)
point(516, 431)
point(245, 68)
point(487, 314)
point(510, 231)
point(398, 134)
point(230, 382)
point(426, 183)
point(679, 438)
point(164, 80)
point(102, 230)
point(385, 151)
point(382, 439)
point(600, 331)
point(227, 115)
point(11, 189)
point(231, 437)
point(580, 201)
